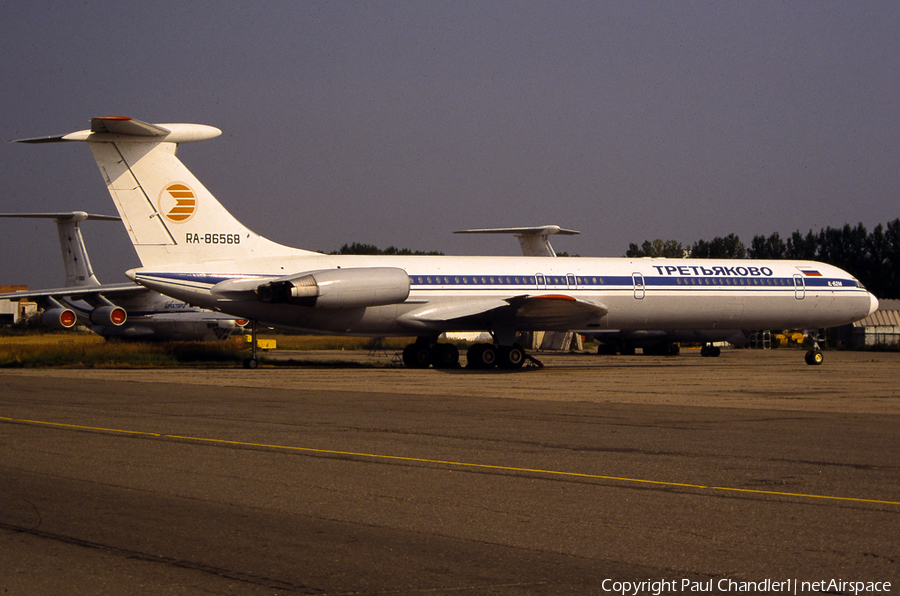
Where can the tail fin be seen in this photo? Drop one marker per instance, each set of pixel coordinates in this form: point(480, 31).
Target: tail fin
point(79, 272)
point(535, 241)
point(170, 216)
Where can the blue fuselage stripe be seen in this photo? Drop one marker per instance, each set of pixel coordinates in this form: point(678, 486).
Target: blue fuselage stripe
point(583, 282)
point(569, 282)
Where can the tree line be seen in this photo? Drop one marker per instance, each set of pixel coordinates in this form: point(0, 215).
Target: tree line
point(872, 257)
point(359, 248)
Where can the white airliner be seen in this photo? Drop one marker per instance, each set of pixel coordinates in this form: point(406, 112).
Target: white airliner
point(124, 311)
point(193, 249)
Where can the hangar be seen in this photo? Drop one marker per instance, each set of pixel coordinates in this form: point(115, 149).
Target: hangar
point(11, 311)
point(881, 329)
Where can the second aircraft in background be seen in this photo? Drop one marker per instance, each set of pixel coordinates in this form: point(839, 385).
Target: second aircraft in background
point(124, 311)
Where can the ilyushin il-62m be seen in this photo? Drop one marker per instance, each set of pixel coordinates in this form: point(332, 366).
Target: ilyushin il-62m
point(193, 249)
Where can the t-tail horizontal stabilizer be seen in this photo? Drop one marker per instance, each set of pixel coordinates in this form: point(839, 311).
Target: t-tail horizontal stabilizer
point(535, 241)
point(75, 257)
point(170, 216)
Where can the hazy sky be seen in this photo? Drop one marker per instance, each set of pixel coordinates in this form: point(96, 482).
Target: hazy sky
point(396, 123)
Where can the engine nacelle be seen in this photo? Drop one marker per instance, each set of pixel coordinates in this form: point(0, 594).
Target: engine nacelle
point(59, 318)
point(340, 288)
point(114, 316)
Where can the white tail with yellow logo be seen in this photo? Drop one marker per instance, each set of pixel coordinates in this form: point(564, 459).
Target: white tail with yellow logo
point(170, 216)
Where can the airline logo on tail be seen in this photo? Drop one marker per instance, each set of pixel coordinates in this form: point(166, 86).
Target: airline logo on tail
point(177, 203)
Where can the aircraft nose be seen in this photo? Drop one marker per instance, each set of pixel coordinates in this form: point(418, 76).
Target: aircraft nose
point(873, 303)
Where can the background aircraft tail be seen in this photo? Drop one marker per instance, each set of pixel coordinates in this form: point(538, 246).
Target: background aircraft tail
point(169, 215)
point(79, 272)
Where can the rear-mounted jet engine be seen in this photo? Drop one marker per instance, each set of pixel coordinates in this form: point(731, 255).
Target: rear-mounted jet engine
point(340, 288)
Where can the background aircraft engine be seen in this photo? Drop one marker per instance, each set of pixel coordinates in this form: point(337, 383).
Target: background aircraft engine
point(59, 318)
point(109, 315)
point(340, 288)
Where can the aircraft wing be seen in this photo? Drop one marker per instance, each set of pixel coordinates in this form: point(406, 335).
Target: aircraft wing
point(552, 311)
point(79, 292)
point(526, 312)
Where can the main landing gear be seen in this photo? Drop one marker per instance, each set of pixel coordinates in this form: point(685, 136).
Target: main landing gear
point(483, 356)
point(710, 351)
point(427, 352)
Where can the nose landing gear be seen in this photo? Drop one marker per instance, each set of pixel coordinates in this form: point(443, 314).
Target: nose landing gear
point(814, 357)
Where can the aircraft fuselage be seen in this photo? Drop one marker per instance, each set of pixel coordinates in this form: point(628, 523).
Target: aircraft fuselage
point(638, 293)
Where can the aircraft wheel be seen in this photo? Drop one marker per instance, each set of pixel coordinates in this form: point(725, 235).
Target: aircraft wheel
point(673, 350)
point(511, 356)
point(482, 356)
point(716, 352)
point(488, 356)
point(444, 356)
point(416, 356)
point(250, 363)
point(814, 357)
